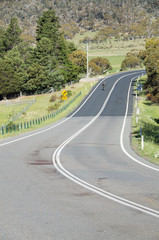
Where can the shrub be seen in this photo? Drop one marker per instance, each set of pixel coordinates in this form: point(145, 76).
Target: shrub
point(10, 124)
point(53, 107)
point(69, 93)
point(53, 98)
point(155, 98)
point(149, 96)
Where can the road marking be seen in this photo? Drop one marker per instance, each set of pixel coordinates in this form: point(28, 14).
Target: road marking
point(57, 164)
point(56, 125)
point(101, 192)
point(122, 133)
point(50, 128)
point(67, 174)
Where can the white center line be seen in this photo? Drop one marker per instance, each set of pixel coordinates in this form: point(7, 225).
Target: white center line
point(67, 174)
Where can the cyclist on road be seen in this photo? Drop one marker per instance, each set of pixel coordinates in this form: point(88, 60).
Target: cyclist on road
point(103, 85)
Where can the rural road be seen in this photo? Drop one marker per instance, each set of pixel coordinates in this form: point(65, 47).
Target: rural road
point(79, 178)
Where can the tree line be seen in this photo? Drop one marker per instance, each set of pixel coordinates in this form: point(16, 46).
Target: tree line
point(75, 15)
point(51, 64)
point(144, 28)
point(53, 61)
point(150, 59)
point(35, 69)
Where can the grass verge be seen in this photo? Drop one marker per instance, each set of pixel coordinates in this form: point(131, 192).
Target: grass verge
point(42, 105)
point(146, 123)
point(9, 111)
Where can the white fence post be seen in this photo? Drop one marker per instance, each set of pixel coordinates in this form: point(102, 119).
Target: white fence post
point(142, 142)
point(137, 119)
point(137, 111)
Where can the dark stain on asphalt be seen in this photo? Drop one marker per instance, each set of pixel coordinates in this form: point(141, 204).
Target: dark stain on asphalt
point(84, 194)
point(101, 179)
point(51, 147)
point(36, 153)
point(50, 171)
point(41, 162)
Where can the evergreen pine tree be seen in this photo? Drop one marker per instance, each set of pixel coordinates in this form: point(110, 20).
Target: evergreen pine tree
point(2, 40)
point(48, 27)
point(43, 53)
point(12, 73)
point(36, 81)
point(12, 35)
point(52, 51)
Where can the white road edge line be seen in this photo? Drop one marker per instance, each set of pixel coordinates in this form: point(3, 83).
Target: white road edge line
point(67, 174)
point(122, 134)
point(66, 119)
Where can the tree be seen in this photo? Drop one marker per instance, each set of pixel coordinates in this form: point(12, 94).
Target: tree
point(89, 14)
point(69, 29)
point(79, 58)
point(70, 47)
point(48, 27)
point(52, 51)
point(155, 28)
point(36, 81)
point(12, 73)
point(131, 60)
point(2, 42)
point(152, 68)
point(12, 35)
point(94, 69)
point(104, 34)
point(86, 39)
point(99, 65)
point(138, 30)
point(43, 52)
point(56, 78)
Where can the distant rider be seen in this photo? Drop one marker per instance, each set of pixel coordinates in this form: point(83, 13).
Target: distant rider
point(103, 85)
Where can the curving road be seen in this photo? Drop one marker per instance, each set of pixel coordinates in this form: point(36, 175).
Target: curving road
point(79, 178)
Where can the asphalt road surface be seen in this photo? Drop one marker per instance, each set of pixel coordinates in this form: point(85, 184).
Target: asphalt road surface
point(79, 178)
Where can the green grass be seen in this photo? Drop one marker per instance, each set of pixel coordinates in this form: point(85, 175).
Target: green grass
point(80, 36)
point(40, 107)
point(115, 61)
point(42, 104)
point(9, 111)
point(113, 50)
point(149, 123)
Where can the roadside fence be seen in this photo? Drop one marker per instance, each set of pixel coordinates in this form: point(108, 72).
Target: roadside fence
point(28, 124)
point(10, 103)
point(16, 116)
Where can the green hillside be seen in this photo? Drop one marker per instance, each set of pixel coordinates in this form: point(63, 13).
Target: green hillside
point(78, 16)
